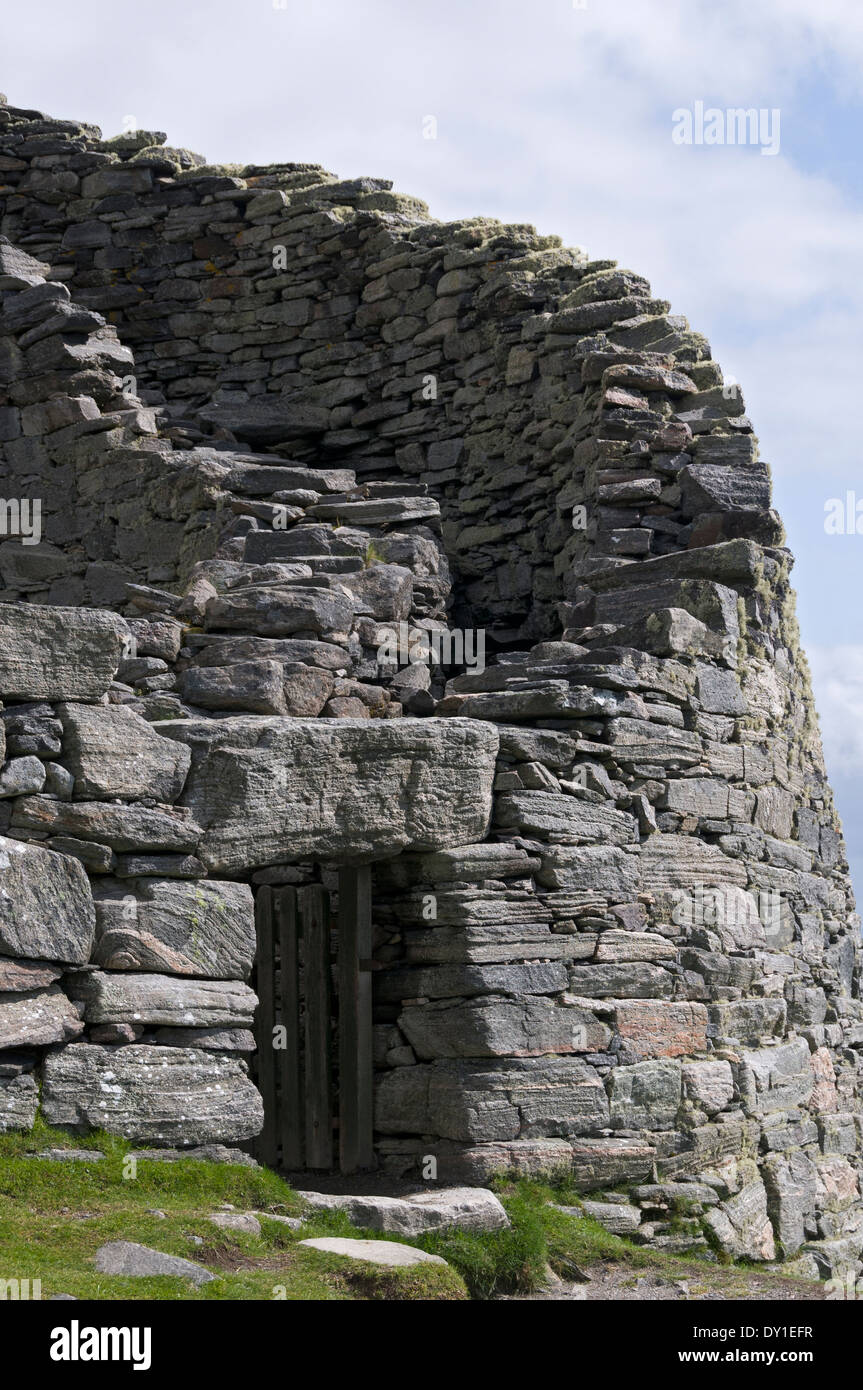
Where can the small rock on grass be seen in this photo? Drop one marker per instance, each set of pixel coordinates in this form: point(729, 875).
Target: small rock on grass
point(127, 1257)
point(69, 1155)
point(466, 1208)
point(237, 1221)
point(375, 1252)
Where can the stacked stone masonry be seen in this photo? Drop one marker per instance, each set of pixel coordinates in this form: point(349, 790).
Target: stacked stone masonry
point(271, 417)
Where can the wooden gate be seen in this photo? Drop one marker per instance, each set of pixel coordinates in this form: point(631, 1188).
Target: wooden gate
point(314, 1024)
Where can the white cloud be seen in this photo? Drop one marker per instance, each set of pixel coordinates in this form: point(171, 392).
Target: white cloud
point(837, 677)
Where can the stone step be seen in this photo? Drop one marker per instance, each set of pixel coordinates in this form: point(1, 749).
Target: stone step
point(398, 487)
point(268, 577)
point(259, 686)
point(241, 575)
point(465, 1208)
point(377, 511)
point(260, 479)
point(548, 700)
point(274, 514)
point(375, 1252)
point(332, 564)
point(215, 649)
point(730, 563)
point(260, 547)
point(280, 610)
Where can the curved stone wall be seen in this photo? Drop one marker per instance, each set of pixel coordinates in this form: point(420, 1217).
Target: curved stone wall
point(640, 962)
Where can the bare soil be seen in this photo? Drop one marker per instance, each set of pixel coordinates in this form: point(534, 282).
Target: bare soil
point(607, 1280)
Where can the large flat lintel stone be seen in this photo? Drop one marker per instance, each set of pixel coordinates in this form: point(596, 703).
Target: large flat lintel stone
point(348, 790)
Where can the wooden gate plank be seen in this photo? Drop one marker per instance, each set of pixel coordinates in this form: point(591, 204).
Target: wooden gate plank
point(313, 904)
point(356, 1150)
point(290, 1121)
point(264, 1023)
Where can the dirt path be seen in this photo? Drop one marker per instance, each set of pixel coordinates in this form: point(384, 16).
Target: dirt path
point(619, 1282)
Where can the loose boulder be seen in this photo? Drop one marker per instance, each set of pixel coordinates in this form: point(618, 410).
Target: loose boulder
point(463, 1208)
point(139, 1261)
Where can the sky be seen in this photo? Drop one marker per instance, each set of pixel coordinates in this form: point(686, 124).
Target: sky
point(561, 114)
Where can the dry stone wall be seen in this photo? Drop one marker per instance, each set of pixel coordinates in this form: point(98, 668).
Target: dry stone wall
point(275, 417)
point(134, 815)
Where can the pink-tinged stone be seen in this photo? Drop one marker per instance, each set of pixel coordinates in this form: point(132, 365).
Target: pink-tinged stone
point(654, 1028)
point(824, 1097)
point(838, 1183)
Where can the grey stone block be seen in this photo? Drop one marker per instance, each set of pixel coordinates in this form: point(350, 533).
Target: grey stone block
point(46, 907)
point(19, 1101)
point(131, 829)
point(115, 754)
point(176, 926)
point(36, 1018)
point(270, 789)
point(439, 1209)
point(498, 1027)
point(645, 1096)
point(126, 1257)
point(164, 999)
point(58, 653)
point(485, 1102)
point(158, 1095)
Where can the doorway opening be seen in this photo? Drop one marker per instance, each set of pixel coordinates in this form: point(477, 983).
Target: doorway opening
point(313, 1026)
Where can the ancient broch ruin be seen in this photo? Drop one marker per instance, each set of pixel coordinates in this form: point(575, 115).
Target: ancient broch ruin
point(280, 426)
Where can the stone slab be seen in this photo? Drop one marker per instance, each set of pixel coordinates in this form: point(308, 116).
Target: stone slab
point(168, 1000)
point(176, 926)
point(128, 1258)
point(46, 907)
point(168, 1096)
point(115, 754)
point(464, 1208)
point(58, 653)
point(271, 790)
point(376, 1252)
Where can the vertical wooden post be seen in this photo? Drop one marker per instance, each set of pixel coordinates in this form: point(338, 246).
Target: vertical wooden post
point(313, 903)
point(356, 1149)
point(290, 1123)
point(265, 1021)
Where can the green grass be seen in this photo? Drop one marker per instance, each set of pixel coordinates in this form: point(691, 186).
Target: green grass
point(55, 1215)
